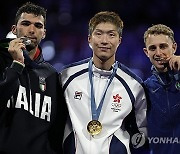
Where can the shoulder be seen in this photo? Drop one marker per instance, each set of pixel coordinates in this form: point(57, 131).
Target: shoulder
point(4, 44)
point(78, 63)
point(129, 72)
point(47, 69)
point(149, 82)
point(76, 66)
point(74, 70)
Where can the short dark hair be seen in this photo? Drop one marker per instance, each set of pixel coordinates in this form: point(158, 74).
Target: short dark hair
point(103, 17)
point(29, 7)
point(159, 29)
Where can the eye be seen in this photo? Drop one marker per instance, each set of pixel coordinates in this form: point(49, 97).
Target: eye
point(111, 34)
point(163, 46)
point(152, 48)
point(98, 33)
point(38, 25)
point(25, 23)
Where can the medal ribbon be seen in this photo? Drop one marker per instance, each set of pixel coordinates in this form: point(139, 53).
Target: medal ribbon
point(96, 112)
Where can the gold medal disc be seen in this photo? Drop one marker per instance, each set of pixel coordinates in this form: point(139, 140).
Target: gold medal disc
point(94, 127)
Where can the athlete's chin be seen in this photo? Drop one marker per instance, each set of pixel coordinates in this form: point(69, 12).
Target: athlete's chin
point(159, 66)
point(103, 58)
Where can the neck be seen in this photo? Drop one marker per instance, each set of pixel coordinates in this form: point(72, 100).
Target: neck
point(104, 65)
point(32, 53)
point(161, 70)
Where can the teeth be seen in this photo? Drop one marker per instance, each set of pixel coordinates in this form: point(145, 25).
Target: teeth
point(159, 59)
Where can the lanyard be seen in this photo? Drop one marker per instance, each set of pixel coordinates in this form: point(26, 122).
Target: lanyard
point(96, 112)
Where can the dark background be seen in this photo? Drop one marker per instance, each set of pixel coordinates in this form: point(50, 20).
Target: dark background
point(67, 27)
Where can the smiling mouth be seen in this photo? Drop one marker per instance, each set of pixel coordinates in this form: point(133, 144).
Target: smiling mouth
point(161, 60)
point(104, 48)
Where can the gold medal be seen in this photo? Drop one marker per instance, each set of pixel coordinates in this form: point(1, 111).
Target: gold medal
point(94, 127)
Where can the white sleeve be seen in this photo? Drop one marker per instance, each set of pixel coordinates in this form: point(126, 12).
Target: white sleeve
point(141, 110)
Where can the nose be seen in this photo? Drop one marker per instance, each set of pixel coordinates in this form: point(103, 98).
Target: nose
point(31, 28)
point(158, 51)
point(104, 38)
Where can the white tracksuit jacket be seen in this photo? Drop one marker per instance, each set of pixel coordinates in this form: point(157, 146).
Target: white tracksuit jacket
point(123, 112)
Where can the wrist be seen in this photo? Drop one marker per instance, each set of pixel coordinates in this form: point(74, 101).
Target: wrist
point(19, 62)
point(18, 66)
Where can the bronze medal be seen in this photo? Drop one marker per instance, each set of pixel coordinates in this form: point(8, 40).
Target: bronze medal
point(94, 127)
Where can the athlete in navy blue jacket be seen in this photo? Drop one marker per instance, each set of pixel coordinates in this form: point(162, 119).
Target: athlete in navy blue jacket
point(163, 90)
point(31, 100)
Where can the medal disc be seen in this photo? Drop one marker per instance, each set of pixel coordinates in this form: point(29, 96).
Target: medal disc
point(94, 127)
point(177, 85)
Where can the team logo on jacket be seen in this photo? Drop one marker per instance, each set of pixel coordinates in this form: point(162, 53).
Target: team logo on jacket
point(78, 95)
point(116, 105)
point(42, 83)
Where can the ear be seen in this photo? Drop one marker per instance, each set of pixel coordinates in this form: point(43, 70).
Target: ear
point(120, 39)
point(146, 52)
point(174, 46)
point(89, 40)
point(14, 29)
point(44, 35)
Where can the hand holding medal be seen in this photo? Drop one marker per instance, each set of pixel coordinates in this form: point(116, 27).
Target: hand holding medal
point(173, 65)
point(174, 68)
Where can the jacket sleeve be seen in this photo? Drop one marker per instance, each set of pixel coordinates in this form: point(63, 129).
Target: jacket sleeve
point(140, 106)
point(57, 131)
point(139, 140)
point(9, 80)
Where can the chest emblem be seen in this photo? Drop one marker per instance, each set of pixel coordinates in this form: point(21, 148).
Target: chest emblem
point(116, 104)
point(78, 95)
point(42, 83)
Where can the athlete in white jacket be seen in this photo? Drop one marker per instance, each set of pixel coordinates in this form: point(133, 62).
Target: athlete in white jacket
point(106, 101)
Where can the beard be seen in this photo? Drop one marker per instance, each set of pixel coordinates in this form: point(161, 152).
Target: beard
point(30, 47)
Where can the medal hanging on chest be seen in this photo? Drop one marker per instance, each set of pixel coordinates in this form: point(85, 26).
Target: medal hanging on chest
point(177, 85)
point(177, 78)
point(94, 127)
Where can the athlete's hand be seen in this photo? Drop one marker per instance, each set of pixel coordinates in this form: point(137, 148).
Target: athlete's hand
point(16, 47)
point(174, 62)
